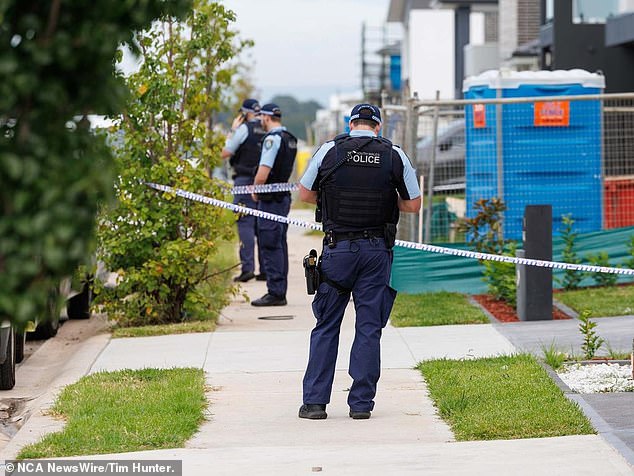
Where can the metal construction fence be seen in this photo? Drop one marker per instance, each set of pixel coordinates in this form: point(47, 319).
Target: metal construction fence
point(575, 153)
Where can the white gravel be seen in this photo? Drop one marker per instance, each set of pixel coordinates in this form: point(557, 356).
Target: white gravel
point(597, 378)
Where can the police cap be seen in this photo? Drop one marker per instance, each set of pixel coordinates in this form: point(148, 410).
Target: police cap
point(366, 111)
point(271, 110)
point(250, 105)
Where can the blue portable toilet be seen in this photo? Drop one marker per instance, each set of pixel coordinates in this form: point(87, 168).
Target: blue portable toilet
point(545, 152)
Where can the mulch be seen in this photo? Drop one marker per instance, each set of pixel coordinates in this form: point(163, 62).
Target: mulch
point(502, 312)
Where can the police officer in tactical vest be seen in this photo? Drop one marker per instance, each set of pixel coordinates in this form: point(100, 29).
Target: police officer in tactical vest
point(244, 147)
point(279, 148)
point(360, 182)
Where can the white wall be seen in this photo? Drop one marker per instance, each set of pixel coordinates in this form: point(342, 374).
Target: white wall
point(476, 28)
point(430, 65)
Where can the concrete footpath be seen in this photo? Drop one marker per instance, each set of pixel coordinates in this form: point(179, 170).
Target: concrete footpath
point(255, 363)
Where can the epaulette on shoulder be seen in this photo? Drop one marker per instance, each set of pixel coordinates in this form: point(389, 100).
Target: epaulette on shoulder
point(341, 137)
point(385, 141)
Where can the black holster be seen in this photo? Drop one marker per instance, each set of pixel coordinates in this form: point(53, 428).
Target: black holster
point(311, 272)
point(390, 235)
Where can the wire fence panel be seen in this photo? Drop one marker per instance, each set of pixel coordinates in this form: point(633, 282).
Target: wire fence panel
point(575, 153)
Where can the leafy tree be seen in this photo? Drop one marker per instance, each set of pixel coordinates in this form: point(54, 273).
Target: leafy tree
point(161, 245)
point(572, 277)
point(602, 259)
point(591, 340)
point(57, 67)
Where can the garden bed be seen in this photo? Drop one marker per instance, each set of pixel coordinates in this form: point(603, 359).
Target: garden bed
point(503, 312)
point(597, 377)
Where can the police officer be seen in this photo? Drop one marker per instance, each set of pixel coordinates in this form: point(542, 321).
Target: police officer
point(360, 182)
point(279, 148)
point(244, 147)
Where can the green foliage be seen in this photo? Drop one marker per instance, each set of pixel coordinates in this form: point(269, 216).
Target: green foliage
point(610, 301)
point(485, 232)
point(485, 228)
point(162, 245)
point(591, 341)
point(572, 277)
point(57, 68)
point(501, 397)
point(435, 309)
point(124, 411)
point(602, 279)
point(500, 276)
point(553, 356)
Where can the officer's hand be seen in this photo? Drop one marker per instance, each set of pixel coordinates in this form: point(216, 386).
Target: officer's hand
point(237, 122)
point(255, 198)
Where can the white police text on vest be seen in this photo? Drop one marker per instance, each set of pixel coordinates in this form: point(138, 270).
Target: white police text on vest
point(365, 159)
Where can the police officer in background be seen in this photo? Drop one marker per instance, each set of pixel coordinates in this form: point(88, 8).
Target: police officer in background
point(360, 182)
point(279, 148)
point(244, 147)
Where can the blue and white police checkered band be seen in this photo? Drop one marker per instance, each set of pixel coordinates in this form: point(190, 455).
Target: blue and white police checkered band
point(264, 188)
point(374, 118)
point(405, 244)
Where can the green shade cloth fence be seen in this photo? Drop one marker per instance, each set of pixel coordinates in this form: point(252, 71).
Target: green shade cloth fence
point(416, 271)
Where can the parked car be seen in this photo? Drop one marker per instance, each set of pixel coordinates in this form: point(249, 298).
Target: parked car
point(449, 164)
point(7, 356)
point(12, 342)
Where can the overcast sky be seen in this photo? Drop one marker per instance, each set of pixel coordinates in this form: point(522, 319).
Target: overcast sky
point(306, 48)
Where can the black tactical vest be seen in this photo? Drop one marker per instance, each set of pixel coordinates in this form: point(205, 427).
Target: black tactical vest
point(245, 160)
point(361, 193)
point(284, 161)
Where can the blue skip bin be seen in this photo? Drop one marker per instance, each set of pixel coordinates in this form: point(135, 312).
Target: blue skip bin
point(546, 152)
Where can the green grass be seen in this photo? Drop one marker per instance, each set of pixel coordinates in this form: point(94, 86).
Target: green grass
point(435, 309)
point(602, 302)
point(127, 410)
point(165, 329)
point(505, 397)
point(554, 356)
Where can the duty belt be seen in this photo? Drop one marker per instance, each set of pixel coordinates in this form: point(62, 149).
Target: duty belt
point(355, 235)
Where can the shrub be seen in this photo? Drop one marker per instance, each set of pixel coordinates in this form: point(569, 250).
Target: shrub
point(57, 69)
point(484, 232)
point(572, 277)
point(161, 245)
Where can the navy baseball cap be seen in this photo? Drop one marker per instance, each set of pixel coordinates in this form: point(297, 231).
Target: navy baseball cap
point(271, 109)
point(250, 105)
point(366, 111)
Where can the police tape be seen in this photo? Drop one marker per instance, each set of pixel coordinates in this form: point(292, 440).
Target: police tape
point(265, 188)
point(404, 244)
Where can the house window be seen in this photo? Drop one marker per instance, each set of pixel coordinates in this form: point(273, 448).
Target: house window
point(594, 11)
point(550, 11)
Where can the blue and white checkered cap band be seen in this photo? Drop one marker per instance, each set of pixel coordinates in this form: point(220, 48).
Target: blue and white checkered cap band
point(357, 116)
point(405, 244)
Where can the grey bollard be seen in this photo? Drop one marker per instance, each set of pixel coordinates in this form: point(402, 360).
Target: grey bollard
point(535, 284)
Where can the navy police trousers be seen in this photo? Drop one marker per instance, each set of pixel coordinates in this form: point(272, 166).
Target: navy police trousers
point(247, 231)
point(363, 266)
point(274, 249)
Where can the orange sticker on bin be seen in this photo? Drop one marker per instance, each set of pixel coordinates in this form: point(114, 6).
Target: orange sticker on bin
point(552, 113)
point(479, 116)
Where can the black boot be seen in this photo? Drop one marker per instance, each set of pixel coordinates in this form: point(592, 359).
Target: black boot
point(313, 411)
point(269, 300)
point(357, 415)
point(244, 277)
